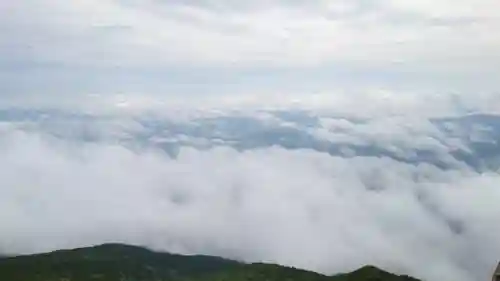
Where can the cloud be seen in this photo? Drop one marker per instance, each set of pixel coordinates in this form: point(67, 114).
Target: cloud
point(321, 134)
point(448, 137)
point(59, 50)
point(277, 33)
point(300, 207)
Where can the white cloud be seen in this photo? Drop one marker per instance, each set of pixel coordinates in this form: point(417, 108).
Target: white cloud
point(302, 207)
point(363, 102)
point(483, 9)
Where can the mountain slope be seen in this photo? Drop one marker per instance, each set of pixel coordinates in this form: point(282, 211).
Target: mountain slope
point(116, 262)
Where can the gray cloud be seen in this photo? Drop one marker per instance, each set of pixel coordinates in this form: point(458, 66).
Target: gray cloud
point(448, 142)
point(53, 50)
point(286, 33)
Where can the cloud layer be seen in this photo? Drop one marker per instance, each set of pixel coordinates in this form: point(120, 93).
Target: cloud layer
point(70, 179)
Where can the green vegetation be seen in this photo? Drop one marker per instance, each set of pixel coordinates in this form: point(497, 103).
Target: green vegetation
point(116, 262)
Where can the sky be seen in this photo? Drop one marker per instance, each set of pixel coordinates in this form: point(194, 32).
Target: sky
point(58, 49)
point(325, 135)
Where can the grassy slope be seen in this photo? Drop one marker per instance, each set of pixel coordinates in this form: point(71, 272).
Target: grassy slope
point(115, 262)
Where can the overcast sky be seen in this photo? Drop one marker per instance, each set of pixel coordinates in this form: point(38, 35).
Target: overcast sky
point(54, 48)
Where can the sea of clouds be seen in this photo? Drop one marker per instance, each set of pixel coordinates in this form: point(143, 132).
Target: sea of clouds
point(405, 183)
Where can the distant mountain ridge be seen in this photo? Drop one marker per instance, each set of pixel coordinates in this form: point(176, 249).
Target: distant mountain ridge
point(118, 262)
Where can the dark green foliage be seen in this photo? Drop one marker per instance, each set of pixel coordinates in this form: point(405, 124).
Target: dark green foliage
point(264, 272)
point(116, 262)
point(107, 262)
point(371, 273)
